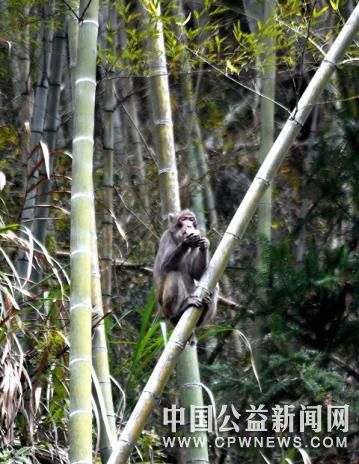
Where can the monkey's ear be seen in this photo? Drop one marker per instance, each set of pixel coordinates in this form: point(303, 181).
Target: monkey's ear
point(171, 219)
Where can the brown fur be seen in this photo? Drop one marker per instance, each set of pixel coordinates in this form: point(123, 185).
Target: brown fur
point(182, 258)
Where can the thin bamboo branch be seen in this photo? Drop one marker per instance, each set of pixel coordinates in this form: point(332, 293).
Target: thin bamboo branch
point(234, 232)
point(100, 359)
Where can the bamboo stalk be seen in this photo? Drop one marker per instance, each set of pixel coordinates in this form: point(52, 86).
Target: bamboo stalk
point(52, 122)
point(162, 115)
point(73, 37)
point(108, 150)
point(264, 225)
point(37, 127)
point(235, 231)
point(135, 148)
point(188, 373)
point(81, 239)
point(190, 119)
point(100, 356)
point(189, 380)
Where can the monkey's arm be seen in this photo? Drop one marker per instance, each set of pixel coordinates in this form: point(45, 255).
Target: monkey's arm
point(201, 259)
point(172, 259)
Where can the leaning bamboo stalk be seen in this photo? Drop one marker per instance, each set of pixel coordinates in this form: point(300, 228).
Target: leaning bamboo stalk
point(234, 232)
point(81, 240)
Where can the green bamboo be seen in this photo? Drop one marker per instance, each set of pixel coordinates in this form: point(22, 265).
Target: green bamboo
point(108, 148)
point(301, 242)
point(170, 200)
point(37, 128)
point(204, 172)
point(189, 121)
point(234, 232)
point(161, 104)
point(100, 358)
point(73, 37)
point(23, 90)
point(201, 189)
point(264, 225)
point(135, 146)
point(189, 380)
point(81, 239)
point(137, 166)
point(27, 215)
point(51, 125)
point(188, 373)
point(196, 138)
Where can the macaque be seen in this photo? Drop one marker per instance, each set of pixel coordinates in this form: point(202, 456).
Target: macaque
point(182, 257)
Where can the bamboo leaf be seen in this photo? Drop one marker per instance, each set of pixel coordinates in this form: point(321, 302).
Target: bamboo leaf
point(7, 42)
point(179, 23)
point(318, 13)
point(334, 4)
point(46, 155)
point(2, 180)
point(305, 456)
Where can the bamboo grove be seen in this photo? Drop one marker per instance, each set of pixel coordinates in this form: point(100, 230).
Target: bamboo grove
point(116, 116)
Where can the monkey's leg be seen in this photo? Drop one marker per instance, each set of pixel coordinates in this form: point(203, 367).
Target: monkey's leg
point(207, 303)
point(174, 292)
point(190, 301)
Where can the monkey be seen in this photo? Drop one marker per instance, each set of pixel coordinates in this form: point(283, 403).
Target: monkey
point(182, 257)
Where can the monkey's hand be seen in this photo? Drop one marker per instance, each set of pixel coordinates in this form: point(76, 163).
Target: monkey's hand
point(192, 241)
point(203, 243)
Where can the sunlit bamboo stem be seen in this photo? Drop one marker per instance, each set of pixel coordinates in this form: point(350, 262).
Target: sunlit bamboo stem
point(81, 239)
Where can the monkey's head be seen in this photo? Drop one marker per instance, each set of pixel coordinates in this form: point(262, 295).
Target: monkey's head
point(183, 224)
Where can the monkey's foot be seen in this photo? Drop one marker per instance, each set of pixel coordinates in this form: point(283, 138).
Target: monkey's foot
point(204, 303)
point(195, 301)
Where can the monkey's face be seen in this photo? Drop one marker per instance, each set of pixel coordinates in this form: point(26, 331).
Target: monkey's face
point(186, 225)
